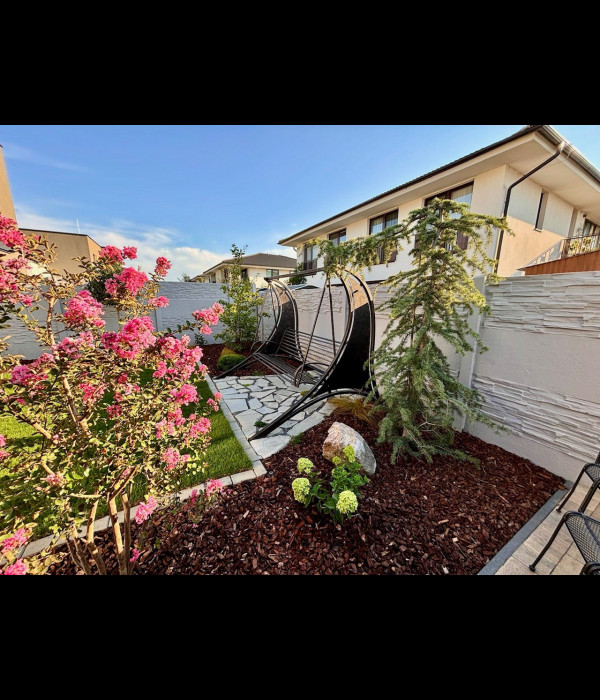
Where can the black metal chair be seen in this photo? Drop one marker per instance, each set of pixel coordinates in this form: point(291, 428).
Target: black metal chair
point(592, 470)
point(585, 532)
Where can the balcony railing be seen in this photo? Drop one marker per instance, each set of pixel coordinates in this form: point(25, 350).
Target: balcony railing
point(579, 245)
point(308, 265)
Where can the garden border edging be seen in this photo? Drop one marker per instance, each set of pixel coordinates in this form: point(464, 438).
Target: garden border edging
point(521, 535)
point(257, 469)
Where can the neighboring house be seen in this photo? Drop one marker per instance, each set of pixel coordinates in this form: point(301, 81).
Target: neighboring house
point(254, 267)
point(69, 246)
point(561, 199)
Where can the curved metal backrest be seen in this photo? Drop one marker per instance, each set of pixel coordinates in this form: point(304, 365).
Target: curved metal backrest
point(286, 313)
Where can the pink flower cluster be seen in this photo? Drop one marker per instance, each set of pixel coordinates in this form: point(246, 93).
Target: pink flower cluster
point(3, 453)
point(71, 346)
point(201, 426)
point(145, 510)
point(9, 283)
point(218, 395)
point(55, 479)
point(158, 302)
point(83, 311)
point(129, 281)
point(10, 235)
point(162, 267)
point(135, 555)
point(32, 374)
point(213, 404)
point(135, 336)
point(112, 253)
point(19, 568)
point(92, 392)
point(16, 540)
point(208, 317)
point(172, 458)
point(213, 487)
point(187, 394)
point(130, 251)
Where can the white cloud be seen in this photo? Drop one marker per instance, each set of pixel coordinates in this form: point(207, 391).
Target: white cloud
point(151, 241)
point(13, 151)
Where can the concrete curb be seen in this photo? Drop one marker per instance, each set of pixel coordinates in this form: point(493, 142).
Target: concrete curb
point(512, 545)
point(104, 523)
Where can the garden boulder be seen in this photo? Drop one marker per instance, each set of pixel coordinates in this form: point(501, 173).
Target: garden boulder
point(339, 436)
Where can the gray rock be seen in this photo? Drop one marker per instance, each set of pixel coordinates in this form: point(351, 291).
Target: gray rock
point(254, 403)
point(339, 436)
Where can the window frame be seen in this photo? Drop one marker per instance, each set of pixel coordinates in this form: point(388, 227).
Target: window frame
point(312, 263)
point(336, 235)
point(394, 254)
point(268, 269)
point(445, 195)
point(541, 211)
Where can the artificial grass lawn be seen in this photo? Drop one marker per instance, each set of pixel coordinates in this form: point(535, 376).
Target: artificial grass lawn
point(224, 456)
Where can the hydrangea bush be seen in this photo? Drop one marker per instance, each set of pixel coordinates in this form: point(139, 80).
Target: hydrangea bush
point(110, 408)
point(341, 499)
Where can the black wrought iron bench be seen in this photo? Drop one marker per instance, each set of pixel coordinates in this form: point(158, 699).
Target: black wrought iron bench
point(312, 356)
point(585, 532)
point(332, 366)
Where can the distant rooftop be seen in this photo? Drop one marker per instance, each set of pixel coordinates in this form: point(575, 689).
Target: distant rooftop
point(268, 260)
point(62, 233)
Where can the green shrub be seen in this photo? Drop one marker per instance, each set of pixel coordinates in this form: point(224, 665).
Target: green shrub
point(341, 499)
point(226, 362)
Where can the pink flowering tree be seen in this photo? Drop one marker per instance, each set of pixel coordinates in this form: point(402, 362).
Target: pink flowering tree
point(111, 409)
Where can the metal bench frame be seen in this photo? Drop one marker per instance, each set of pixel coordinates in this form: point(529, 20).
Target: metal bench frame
point(332, 367)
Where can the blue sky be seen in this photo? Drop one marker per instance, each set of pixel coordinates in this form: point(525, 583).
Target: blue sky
point(188, 192)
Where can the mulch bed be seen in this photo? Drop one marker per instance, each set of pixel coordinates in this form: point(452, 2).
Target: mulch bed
point(210, 357)
point(448, 517)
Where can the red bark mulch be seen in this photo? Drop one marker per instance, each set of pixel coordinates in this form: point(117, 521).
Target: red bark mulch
point(448, 517)
point(212, 352)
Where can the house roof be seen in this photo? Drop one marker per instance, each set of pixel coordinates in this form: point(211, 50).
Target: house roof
point(61, 233)
point(267, 260)
point(545, 130)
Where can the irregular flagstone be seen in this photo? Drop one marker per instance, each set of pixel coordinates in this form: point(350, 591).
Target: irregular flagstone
point(264, 410)
point(267, 446)
point(254, 403)
point(236, 405)
point(247, 419)
point(306, 424)
point(327, 409)
point(299, 416)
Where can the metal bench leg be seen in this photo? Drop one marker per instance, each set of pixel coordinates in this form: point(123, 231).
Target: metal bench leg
point(572, 491)
point(590, 494)
point(590, 569)
point(550, 541)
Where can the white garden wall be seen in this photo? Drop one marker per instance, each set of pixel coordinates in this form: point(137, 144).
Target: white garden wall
point(541, 374)
point(184, 298)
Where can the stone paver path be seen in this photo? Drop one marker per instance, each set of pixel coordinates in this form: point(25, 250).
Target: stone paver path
point(254, 399)
point(563, 557)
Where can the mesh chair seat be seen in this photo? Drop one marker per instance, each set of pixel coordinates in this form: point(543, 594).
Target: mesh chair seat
point(585, 532)
point(593, 471)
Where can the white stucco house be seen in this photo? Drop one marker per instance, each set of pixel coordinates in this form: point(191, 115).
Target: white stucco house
point(546, 188)
point(255, 267)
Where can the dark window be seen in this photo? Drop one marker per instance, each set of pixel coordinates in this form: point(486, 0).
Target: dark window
point(590, 228)
point(272, 273)
point(309, 257)
point(463, 194)
point(245, 273)
point(541, 212)
point(338, 237)
point(379, 224)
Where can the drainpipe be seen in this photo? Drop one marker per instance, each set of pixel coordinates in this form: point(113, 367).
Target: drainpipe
point(509, 192)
